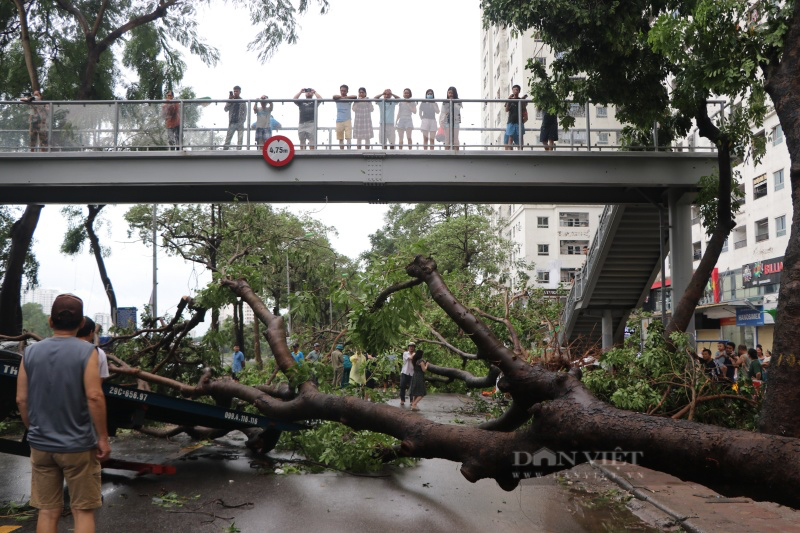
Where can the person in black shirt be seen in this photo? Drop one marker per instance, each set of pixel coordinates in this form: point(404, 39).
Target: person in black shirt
point(306, 131)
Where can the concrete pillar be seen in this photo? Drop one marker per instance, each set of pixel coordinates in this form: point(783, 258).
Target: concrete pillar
point(680, 246)
point(607, 324)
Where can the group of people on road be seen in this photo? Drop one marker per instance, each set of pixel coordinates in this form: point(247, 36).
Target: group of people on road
point(733, 364)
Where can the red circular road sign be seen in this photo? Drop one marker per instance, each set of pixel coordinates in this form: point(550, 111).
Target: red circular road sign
point(278, 151)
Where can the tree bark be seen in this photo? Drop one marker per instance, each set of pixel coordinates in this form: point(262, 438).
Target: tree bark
point(683, 311)
point(11, 289)
point(257, 346)
point(94, 210)
point(568, 420)
point(781, 412)
point(27, 48)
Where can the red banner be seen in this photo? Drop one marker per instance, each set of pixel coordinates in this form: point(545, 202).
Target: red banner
point(715, 285)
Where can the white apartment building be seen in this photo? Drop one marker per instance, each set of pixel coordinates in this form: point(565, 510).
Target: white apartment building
point(553, 237)
point(104, 321)
point(504, 58)
point(43, 297)
point(227, 312)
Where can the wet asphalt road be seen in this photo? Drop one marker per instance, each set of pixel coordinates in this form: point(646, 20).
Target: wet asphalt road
point(222, 485)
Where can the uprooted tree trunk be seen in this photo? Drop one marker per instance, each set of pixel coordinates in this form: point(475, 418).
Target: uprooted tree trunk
point(568, 420)
point(97, 250)
point(11, 289)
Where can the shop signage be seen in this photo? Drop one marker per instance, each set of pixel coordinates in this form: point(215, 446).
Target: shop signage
point(749, 317)
point(766, 272)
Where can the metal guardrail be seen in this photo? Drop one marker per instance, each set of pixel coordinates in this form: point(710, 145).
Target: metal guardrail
point(577, 292)
point(203, 124)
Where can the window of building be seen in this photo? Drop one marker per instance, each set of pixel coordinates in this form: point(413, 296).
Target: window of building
point(541, 60)
point(739, 237)
point(568, 275)
point(573, 247)
point(602, 137)
point(741, 191)
point(601, 111)
point(573, 220)
point(544, 249)
point(543, 276)
point(542, 222)
point(780, 226)
point(537, 37)
point(577, 110)
point(777, 135)
point(759, 186)
point(725, 245)
point(697, 251)
point(695, 214)
point(777, 179)
point(762, 230)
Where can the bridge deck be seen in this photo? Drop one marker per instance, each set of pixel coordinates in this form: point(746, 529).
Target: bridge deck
point(610, 177)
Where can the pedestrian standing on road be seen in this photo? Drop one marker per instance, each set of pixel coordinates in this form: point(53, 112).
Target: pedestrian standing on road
point(347, 367)
point(61, 402)
point(418, 391)
point(337, 363)
point(237, 114)
point(87, 333)
point(314, 355)
point(359, 370)
point(297, 355)
point(407, 371)
point(238, 363)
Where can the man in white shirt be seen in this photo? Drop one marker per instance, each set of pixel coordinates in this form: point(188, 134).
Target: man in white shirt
point(407, 371)
point(88, 333)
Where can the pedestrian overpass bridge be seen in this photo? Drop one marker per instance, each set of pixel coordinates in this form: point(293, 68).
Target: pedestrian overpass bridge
point(116, 152)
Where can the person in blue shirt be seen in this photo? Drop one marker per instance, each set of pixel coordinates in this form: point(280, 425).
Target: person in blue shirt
point(387, 127)
point(238, 363)
point(344, 123)
point(297, 355)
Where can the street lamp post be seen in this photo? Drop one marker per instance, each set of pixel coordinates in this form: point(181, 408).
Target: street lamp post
point(289, 286)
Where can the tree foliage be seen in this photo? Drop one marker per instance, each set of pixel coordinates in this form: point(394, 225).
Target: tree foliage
point(35, 320)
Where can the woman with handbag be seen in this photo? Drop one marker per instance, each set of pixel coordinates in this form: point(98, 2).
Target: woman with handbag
point(450, 118)
point(428, 112)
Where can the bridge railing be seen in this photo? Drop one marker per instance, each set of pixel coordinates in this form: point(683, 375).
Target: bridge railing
point(204, 124)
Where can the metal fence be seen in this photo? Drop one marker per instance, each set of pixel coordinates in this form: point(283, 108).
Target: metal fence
point(204, 124)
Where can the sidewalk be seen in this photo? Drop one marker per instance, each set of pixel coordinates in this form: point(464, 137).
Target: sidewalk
point(699, 509)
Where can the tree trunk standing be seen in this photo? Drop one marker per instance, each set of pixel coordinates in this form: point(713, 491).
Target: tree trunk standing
point(239, 325)
point(94, 210)
point(683, 311)
point(11, 290)
point(257, 346)
point(25, 40)
point(781, 412)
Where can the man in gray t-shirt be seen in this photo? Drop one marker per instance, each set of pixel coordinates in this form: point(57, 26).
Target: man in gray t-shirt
point(61, 401)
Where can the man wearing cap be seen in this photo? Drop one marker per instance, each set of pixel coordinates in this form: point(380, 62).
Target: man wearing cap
point(314, 355)
point(61, 402)
point(407, 371)
point(337, 362)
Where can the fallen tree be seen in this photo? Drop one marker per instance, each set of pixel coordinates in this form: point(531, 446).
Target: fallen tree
point(570, 425)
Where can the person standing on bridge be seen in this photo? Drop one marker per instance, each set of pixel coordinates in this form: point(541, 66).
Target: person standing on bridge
point(237, 114)
point(362, 123)
point(344, 122)
point(38, 122)
point(404, 122)
point(62, 405)
point(387, 128)
point(171, 112)
point(450, 119)
point(306, 128)
point(427, 113)
point(548, 135)
point(515, 126)
point(263, 115)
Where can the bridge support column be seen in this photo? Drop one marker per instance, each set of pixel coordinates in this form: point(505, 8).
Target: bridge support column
point(680, 245)
point(607, 325)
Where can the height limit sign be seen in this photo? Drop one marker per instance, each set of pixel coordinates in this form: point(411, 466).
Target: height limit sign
point(278, 151)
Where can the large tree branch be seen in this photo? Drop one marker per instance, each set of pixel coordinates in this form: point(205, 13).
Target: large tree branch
point(27, 47)
point(384, 295)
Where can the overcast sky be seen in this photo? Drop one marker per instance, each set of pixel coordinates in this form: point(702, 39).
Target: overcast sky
point(418, 44)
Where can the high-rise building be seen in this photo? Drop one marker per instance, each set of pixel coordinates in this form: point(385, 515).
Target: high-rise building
point(104, 321)
point(43, 297)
